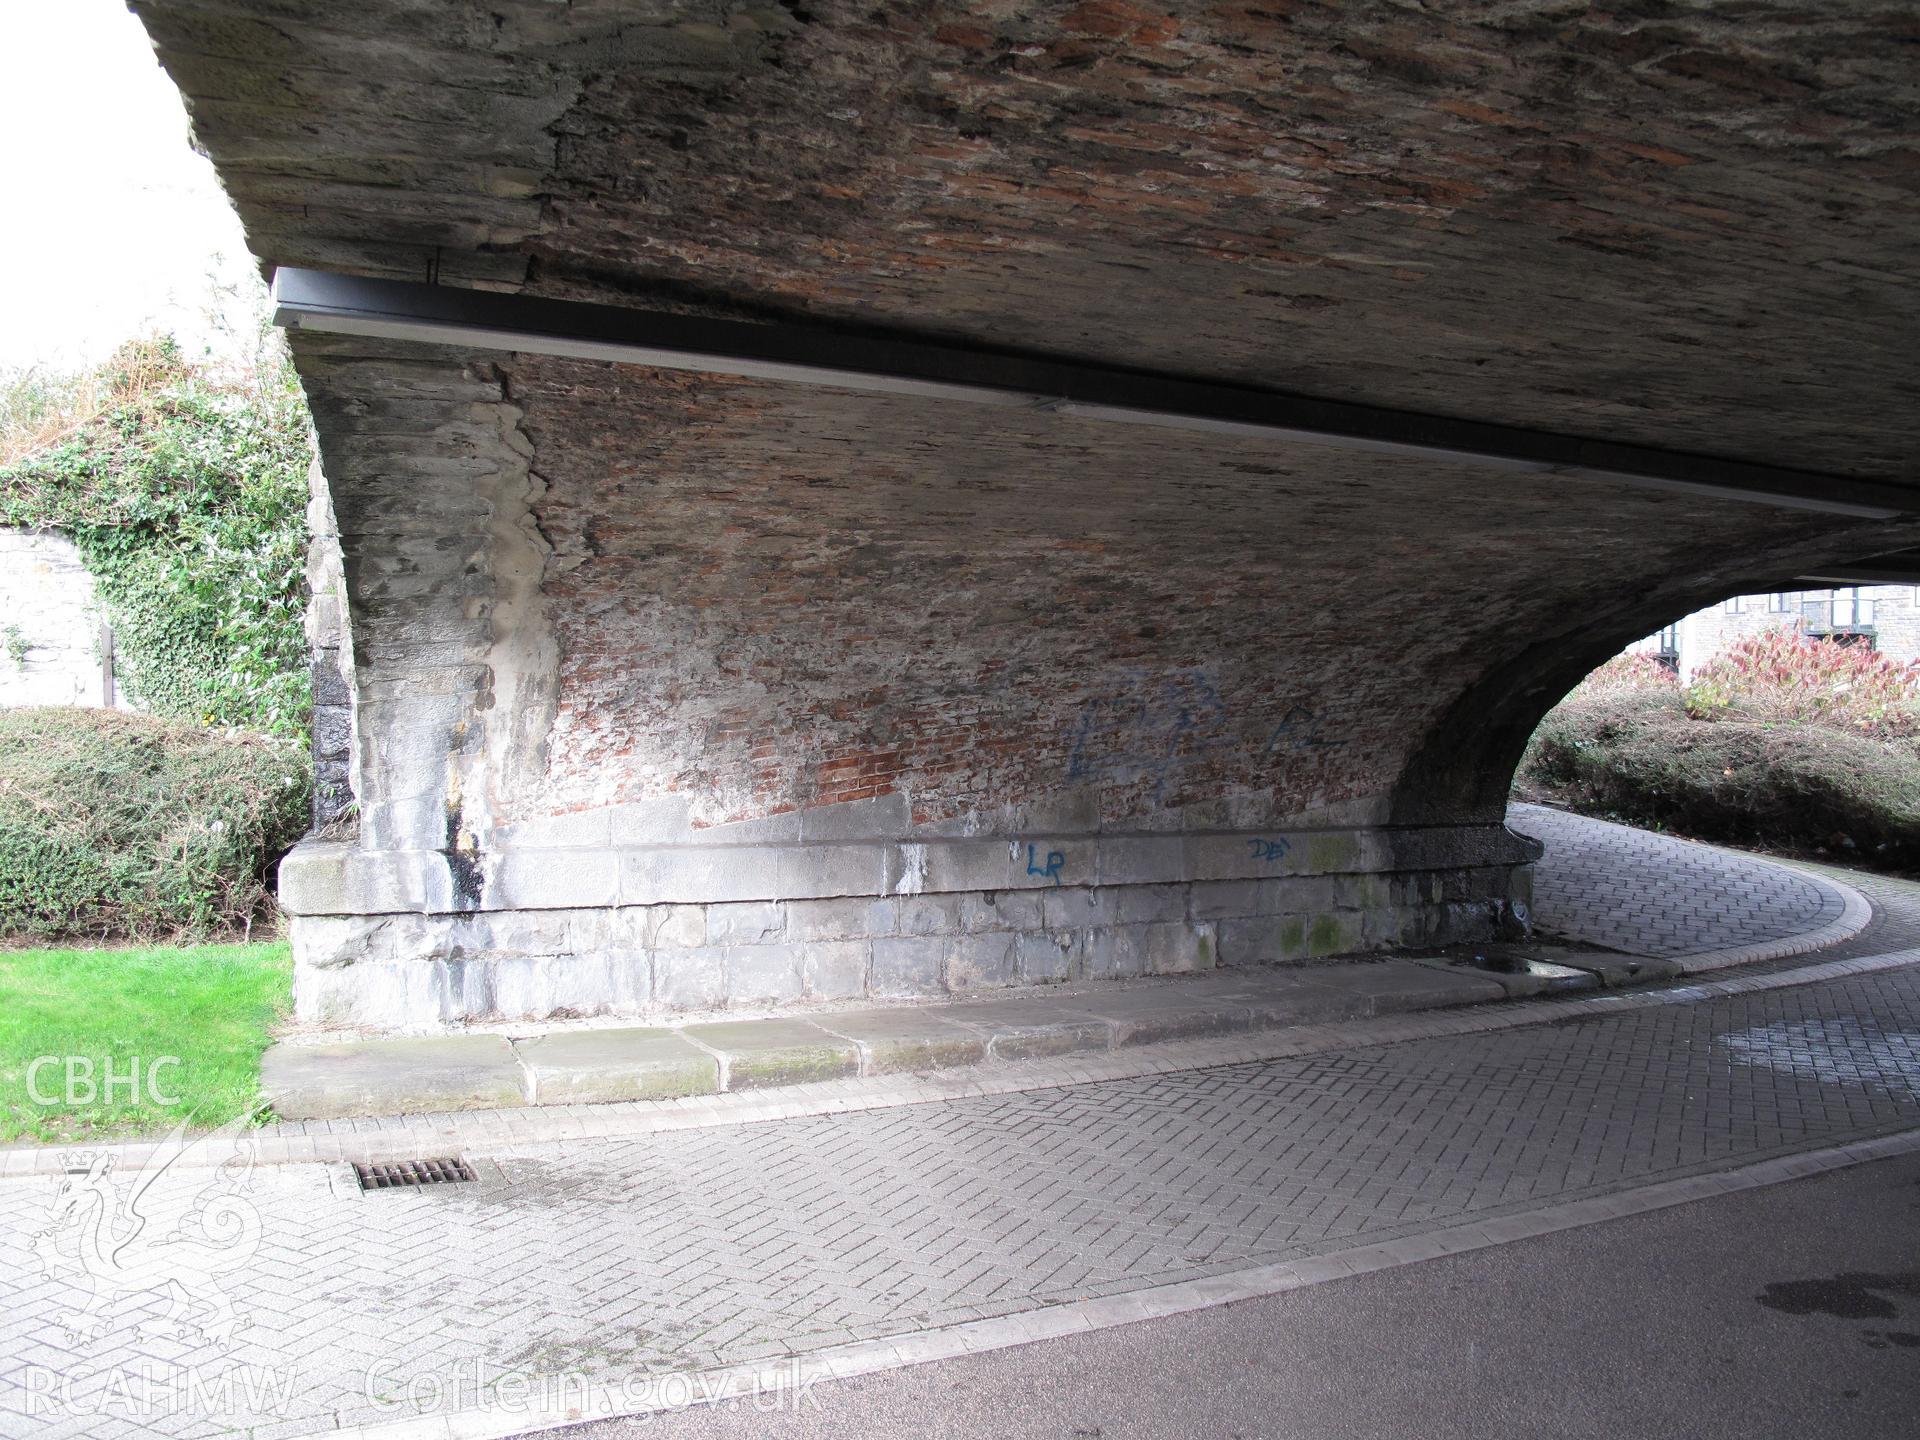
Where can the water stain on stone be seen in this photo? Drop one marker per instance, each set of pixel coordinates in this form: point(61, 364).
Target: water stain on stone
point(1853, 1295)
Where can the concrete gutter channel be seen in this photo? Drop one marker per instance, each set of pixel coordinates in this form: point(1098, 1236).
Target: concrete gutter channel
point(490, 1071)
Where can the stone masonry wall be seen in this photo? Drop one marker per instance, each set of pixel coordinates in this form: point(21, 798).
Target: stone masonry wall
point(331, 646)
point(576, 586)
point(654, 671)
point(653, 960)
point(49, 623)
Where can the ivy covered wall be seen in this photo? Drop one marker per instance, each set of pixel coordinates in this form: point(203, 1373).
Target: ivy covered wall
point(186, 493)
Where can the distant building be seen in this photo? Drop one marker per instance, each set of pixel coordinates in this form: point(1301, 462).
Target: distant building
point(1885, 618)
point(54, 647)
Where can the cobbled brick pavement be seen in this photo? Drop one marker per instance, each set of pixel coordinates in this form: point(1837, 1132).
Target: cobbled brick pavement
point(609, 1258)
point(1651, 894)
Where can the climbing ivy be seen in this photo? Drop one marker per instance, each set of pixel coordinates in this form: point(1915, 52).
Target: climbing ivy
point(186, 494)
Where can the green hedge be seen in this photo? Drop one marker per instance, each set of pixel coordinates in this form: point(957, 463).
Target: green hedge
point(1638, 755)
point(131, 826)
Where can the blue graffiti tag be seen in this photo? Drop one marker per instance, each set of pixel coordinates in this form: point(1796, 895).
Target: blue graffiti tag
point(1300, 730)
point(1049, 871)
point(1150, 729)
point(1270, 849)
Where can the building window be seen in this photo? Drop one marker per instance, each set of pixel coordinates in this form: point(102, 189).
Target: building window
point(1734, 606)
point(1667, 647)
point(1851, 610)
point(1778, 602)
point(1843, 616)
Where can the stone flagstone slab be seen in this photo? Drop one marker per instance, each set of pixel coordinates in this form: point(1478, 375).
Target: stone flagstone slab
point(392, 1077)
point(641, 1064)
point(1150, 1017)
point(1029, 1029)
point(759, 1053)
point(1396, 985)
point(894, 1040)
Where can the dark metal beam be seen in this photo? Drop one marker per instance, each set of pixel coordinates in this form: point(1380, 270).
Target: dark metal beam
point(809, 355)
point(1896, 567)
point(1859, 575)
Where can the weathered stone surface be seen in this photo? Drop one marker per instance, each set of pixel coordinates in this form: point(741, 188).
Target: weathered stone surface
point(1484, 209)
point(1615, 970)
point(595, 1065)
point(763, 974)
point(391, 1077)
point(1391, 986)
point(1028, 1029)
point(758, 1053)
point(1017, 910)
point(899, 1039)
point(1151, 1016)
point(605, 982)
point(980, 962)
point(694, 979)
point(1263, 940)
point(332, 669)
point(1277, 996)
point(834, 969)
point(648, 960)
point(1515, 985)
point(1178, 949)
point(1115, 952)
point(1045, 957)
point(755, 923)
point(908, 967)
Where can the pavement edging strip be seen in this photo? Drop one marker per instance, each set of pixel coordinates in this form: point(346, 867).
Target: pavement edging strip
point(717, 1386)
point(1856, 913)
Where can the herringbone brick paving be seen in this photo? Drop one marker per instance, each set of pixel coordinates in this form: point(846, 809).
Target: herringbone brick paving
point(1895, 924)
point(1654, 895)
point(719, 1246)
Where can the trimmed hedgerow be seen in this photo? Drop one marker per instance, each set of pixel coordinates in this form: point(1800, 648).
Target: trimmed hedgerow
point(1783, 744)
point(133, 826)
point(1627, 673)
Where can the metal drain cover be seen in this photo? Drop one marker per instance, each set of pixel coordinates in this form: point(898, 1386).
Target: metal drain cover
point(402, 1174)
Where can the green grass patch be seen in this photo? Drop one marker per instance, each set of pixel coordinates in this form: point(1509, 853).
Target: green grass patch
point(209, 1006)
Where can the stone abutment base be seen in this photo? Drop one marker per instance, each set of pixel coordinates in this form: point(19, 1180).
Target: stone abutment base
point(406, 939)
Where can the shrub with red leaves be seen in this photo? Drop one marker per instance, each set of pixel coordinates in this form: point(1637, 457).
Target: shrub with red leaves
point(1788, 678)
point(1624, 673)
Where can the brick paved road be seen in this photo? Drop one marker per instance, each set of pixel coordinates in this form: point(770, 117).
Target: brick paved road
point(1650, 894)
point(604, 1258)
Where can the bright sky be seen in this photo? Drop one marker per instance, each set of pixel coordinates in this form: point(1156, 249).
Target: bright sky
point(113, 226)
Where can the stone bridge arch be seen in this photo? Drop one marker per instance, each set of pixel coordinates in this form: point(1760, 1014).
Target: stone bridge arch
point(903, 502)
point(1466, 763)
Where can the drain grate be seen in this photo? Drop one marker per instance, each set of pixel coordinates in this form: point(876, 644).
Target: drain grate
point(398, 1174)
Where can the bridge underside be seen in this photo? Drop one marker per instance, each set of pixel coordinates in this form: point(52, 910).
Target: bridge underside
point(676, 689)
